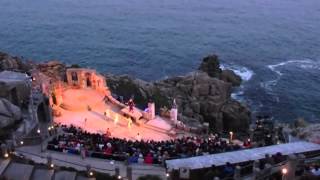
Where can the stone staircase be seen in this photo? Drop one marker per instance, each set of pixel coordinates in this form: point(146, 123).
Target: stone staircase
point(22, 171)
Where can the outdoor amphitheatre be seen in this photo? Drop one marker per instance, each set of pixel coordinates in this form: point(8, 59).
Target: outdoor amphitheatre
point(85, 101)
point(66, 122)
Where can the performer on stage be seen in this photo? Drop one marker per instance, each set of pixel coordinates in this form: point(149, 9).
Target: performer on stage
point(116, 119)
point(131, 105)
point(129, 123)
point(138, 138)
point(85, 121)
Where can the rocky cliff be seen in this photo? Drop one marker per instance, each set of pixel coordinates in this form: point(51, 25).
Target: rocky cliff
point(202, 96)
point(8, 62)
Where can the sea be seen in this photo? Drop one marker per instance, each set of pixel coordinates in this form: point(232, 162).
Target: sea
point(274, 45)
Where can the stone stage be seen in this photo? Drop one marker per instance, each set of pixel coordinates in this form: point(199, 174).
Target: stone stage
point(74, 111)
point(80, 99)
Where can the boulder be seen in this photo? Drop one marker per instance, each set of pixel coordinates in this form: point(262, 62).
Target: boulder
point(236, 117)
point(9, 113)
point(231, 77)
point(53, 69)
point(211, 65)
point(8, 62)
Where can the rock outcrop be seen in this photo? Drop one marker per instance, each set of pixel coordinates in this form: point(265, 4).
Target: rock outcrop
point(9, 113)
point(231, 77)
point(54, 69)
point(8, 62)
point(211, 66)
point(202, 96)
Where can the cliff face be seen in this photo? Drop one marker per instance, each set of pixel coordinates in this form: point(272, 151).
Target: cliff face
point(202, 96)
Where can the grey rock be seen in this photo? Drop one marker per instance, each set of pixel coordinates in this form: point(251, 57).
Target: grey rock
point(9, 113)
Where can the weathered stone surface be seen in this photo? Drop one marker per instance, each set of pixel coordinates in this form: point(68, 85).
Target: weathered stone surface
point(235, 116)
point(211, 65)
point(53, 69)
point(9, 113)
point(231, 77)
point(8, 62)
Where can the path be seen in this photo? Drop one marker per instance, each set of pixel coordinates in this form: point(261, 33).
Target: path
point(101, 165)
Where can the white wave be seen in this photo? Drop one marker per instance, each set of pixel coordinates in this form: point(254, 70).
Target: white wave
point(244, 72)
point(303, 64)
point(238, 95)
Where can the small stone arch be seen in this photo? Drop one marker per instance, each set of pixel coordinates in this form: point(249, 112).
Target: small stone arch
point(54, 99)
point(88, 79)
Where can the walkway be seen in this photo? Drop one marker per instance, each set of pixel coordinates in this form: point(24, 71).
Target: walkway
point(101, 165)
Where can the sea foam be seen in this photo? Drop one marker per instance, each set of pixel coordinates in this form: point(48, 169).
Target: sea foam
point(307, 64)
point(244, 72)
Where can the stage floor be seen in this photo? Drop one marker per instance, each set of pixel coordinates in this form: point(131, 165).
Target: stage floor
point(96, 121)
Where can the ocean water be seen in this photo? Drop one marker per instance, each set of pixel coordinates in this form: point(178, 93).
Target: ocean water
point(273, 44)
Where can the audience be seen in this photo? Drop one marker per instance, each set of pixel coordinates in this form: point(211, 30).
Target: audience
point(77, 141)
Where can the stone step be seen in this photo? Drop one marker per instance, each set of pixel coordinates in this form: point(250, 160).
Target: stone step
point(42, 174)
point(65, 175)
point(156, 128)
point(18, 171)
point(80, 177)
point(3, 165)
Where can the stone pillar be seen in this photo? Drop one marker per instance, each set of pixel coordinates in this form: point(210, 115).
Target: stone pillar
point(255, 169)
point(251, 132)
point(291, 167)
point(4, 150)
point(49, 160)
point(174, 115)
point(129, 173)
point(152, 110)
point(69, 78)
point(89, 170)
point(237, 173)
point(117, 171)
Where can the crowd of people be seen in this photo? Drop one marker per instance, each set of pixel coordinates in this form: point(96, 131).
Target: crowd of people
point(77, 141)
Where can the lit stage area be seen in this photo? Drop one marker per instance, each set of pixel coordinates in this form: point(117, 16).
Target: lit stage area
point(85, 101)
point(88, 109)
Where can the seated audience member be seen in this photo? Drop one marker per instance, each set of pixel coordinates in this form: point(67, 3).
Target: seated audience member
point(148, 159)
